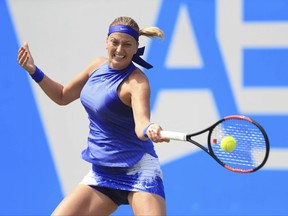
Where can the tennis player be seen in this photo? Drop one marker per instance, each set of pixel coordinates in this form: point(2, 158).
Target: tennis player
point(116, 94)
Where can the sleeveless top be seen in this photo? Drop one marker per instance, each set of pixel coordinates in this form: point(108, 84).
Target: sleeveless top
point(112, 140)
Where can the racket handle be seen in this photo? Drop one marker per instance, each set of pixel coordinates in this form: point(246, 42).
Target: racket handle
point(173, 135)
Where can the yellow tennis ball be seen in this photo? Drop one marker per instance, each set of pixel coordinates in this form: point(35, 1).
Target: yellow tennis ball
point(228, 143)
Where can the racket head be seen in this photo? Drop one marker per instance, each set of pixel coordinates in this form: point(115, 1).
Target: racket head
point(252, 144)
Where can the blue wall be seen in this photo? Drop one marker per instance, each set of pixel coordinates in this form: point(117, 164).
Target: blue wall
point(195, 184)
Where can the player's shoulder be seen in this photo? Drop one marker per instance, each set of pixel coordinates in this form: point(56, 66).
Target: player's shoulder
point(137, 75)
point(99, 61)
point(138, 79)
point(96, 63)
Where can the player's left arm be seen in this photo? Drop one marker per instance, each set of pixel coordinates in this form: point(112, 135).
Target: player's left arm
point(140, 103)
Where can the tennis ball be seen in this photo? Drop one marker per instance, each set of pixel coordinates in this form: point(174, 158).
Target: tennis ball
point(228, 143)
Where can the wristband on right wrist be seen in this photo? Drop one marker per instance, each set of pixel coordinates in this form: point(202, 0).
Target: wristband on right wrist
point(38, 75)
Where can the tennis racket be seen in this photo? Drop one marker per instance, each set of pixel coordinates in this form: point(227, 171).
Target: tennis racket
point(252, 143)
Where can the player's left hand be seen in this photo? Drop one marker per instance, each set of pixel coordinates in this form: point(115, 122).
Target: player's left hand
point(153, 132)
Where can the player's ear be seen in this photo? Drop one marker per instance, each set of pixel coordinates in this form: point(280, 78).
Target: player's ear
point(106, 42)
point(137, 43)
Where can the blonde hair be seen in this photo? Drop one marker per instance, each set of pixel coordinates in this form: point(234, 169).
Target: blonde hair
point(150, 32)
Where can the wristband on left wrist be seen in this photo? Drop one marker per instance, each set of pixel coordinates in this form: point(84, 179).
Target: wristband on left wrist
point(145, 130)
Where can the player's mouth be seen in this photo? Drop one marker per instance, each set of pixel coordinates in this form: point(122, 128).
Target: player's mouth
point(119, 57)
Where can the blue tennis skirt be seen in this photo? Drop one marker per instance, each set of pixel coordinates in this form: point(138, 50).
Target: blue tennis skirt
point(145, 176)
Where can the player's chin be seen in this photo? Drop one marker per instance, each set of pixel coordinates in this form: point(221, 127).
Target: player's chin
point(120, 63)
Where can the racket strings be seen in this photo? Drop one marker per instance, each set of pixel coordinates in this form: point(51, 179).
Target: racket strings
point(250, 148)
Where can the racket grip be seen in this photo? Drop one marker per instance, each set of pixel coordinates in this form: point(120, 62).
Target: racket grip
point(173, 135)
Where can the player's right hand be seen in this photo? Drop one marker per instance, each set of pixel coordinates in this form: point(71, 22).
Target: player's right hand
point(25, 59)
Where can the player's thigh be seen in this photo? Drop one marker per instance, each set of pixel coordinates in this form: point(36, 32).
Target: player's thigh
point(144, 203)
point(84, 200)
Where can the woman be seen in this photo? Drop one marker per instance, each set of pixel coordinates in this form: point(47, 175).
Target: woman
point(116, 95)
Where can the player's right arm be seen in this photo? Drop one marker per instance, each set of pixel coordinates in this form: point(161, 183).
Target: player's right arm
point(60, 94)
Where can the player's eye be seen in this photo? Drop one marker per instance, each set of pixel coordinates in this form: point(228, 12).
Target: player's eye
point(127, 44)
point(114, 42)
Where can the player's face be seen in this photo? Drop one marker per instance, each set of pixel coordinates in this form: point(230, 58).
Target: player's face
point(121, 47)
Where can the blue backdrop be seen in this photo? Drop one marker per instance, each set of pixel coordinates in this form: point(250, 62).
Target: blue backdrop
point(195, 184)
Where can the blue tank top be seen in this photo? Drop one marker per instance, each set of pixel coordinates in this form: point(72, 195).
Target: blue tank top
point(112, 140)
